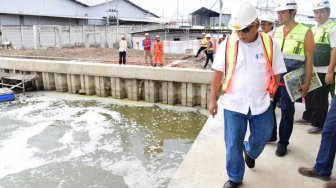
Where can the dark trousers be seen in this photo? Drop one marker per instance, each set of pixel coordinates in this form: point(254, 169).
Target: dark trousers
point(200, 50)
point(287, 117)
point(122, 58)
point(274, 105)
point(209, 57)
point(326, 155)
point(317, 103)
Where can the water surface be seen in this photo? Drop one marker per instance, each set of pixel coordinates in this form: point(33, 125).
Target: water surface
point(50, 139)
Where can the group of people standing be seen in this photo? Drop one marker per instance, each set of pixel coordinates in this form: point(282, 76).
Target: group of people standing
point(253, 64)
point(158, 50)
point(147, 45)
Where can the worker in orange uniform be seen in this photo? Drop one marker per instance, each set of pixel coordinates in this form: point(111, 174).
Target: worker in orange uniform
point(158, 51)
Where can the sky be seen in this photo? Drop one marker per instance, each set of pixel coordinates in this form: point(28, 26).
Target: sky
point(168, 7)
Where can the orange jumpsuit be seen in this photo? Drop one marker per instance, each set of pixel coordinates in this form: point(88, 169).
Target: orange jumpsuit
point(158, 52)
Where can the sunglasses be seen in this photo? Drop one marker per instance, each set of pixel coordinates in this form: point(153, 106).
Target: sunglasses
point(247, 29)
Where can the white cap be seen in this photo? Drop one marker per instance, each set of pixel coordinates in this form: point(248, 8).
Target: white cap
point(146, 34)
point(267, 18)
point(285, 5)
point(157, 36)
point(320, 4)
point(208, 35)
point(122, 36)
point(243, 16)
point(203, 33)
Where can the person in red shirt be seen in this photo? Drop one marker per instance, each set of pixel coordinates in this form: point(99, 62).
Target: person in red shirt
point(147, 49)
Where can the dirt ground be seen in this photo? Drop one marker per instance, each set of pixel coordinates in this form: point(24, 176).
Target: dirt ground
point(105, 55)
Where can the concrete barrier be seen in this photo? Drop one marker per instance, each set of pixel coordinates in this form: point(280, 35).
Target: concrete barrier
point(168, 85)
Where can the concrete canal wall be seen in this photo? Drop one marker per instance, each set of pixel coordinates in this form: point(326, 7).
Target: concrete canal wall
point(168, 85)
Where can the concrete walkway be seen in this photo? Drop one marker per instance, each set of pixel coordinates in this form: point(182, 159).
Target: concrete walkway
point(204, 165)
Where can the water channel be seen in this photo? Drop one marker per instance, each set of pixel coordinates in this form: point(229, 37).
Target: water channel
point(50, 139)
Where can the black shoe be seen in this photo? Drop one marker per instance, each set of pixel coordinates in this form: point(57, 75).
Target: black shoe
point(248, 160)
point(315, 130)
point(231, 184)
point(281, 151)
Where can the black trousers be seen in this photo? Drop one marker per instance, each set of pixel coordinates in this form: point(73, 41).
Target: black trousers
point(209, 57)
point(276, 99)
point(317, 103)
point(122, 58)
point(200, 50)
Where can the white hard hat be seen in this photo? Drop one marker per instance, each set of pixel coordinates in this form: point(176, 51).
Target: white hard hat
point(208, 35)
point(122, 36)
point(243, 16)
point(146, 34)
point(285, 5)
point(320, 4)
point(267, 18)
point(157, 36)
point(203, 33)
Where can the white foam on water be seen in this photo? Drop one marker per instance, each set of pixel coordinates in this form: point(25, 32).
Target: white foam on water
point(15, 156)
point(15, 153)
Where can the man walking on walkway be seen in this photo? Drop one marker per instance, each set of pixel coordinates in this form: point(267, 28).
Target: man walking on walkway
point(297, 46)
point(325, 52)
point(251, 63)
point(326, 155)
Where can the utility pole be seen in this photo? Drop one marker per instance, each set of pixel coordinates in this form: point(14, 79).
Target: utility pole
point(177, 12)
point(107, 16)
point(220, 13)
point(117, 12)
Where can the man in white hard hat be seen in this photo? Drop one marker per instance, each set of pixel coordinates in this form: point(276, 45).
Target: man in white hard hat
point(158, 51)
point(147, 43)
point(204, 44)
point(209, 50)
point(325, 39)
point(267, 24)
point(251, 63)
point(122, 50)
point(297, 46)
point(325, 52)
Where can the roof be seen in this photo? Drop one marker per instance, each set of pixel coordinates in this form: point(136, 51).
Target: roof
point(204, 10)
point(99, 2)
point(81, 3)
point(60, 16)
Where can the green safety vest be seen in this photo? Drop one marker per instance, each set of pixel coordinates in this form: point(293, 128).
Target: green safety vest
point(292, 47)
point(322, 46)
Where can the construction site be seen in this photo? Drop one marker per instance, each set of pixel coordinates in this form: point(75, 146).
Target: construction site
point(106, 55)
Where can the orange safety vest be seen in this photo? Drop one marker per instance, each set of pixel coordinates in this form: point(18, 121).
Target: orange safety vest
point(231, 53)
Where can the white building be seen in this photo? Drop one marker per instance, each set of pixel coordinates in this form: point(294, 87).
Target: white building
point(72, 12)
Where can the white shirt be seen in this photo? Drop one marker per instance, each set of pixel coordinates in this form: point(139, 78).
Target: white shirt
point(332, 42)
point(122, 46)
point(250, 79)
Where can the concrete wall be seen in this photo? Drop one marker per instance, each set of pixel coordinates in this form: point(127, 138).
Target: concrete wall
point(175, 86)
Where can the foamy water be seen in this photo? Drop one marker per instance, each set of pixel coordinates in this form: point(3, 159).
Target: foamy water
point(50, 139)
